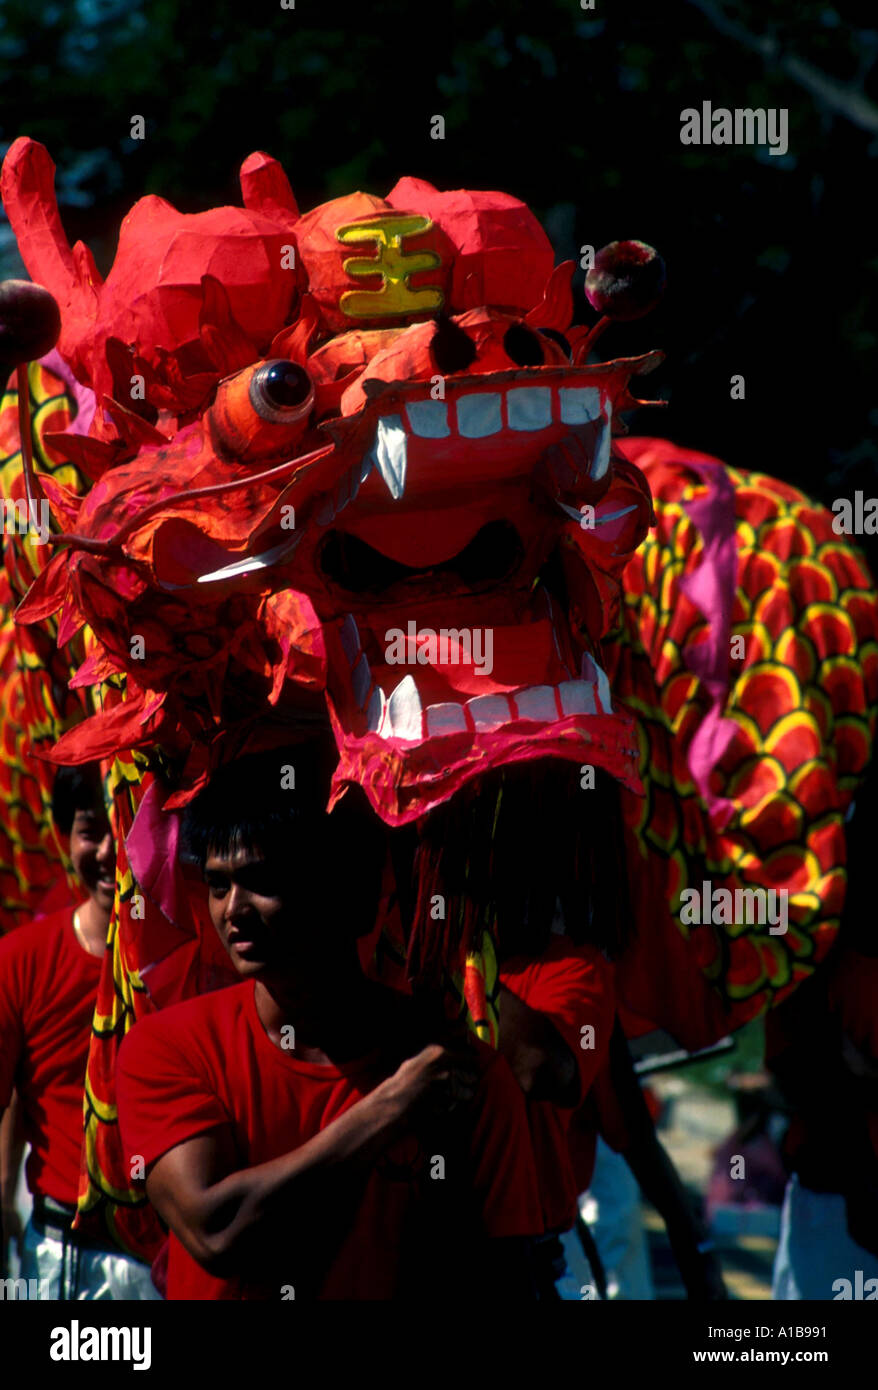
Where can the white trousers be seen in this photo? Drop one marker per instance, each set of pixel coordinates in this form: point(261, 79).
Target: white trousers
point(57, 1269)
point(815, 1251)
point(611, 1209)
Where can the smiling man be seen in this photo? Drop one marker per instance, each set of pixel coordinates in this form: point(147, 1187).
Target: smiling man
point(49, 974)
point(307, 1132)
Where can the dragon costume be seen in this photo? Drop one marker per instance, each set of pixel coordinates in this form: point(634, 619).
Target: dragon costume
point(357, 462)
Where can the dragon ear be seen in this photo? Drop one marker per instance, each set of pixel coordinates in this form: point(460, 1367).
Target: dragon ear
point(91, 456)
point(222, 337)
point(27, 185)
point(265, 187)
point(292, 341)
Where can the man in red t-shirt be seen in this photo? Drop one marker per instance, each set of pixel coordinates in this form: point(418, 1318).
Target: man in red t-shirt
point(49, 972)
point(559, 1031)
point(309, 1133)
point(556, 1020)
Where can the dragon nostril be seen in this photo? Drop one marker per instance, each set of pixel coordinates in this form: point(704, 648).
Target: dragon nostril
point(523, 346)
point(452, 348)
point(558, 338)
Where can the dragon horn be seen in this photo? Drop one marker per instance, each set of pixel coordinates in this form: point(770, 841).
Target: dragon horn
point(266, 188)
point(27, 186)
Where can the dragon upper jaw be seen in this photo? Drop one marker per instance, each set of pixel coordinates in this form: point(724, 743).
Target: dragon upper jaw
point(476, 415)
point(533, 416)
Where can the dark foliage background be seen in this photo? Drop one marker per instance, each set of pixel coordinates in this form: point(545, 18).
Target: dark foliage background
point(773, 261)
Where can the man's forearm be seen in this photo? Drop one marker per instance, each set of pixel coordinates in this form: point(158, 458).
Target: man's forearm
point(11, 1152)
point(224, 1228)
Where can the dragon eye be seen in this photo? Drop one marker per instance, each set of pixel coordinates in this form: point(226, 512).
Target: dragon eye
point(281, 391)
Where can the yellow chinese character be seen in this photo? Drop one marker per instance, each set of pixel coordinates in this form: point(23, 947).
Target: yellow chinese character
point(395, 266)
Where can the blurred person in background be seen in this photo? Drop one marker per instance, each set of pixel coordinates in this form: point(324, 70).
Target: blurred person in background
point(49, 973)
point(822, 1045)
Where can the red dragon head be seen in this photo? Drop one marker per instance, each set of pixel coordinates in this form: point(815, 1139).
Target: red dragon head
point(358, 454)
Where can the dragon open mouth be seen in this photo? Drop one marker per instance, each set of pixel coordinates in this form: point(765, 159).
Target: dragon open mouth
point(352, 564)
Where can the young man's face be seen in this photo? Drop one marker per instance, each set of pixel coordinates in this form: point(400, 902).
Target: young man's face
point(94, 855)
point(252, 904)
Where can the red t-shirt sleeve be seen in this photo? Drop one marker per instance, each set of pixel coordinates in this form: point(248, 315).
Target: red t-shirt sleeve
point(574, 987)
point(11, 1034)
point(163, 1098)
point(504, 1176)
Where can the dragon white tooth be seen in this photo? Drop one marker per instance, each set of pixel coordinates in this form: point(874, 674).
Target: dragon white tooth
point(571, 512)
point(478, 415)
point(376, 708)
point(536, 702)
point(359, 473)
point(606, 517)
point(445, 719)
point(601, 461)
point(251, 563)
point(404, 710)
point(579, 404)
point(489, 711)
point(428, 419)
point(389, 454)
point(354, 480)
point(361, 679)
point(592, 672)
point(529, 407)
point(349, 634)
point(577, 697)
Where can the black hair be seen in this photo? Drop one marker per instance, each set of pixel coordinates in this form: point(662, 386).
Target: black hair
point(75, 789)
point(259, 801)
point(276, 802)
